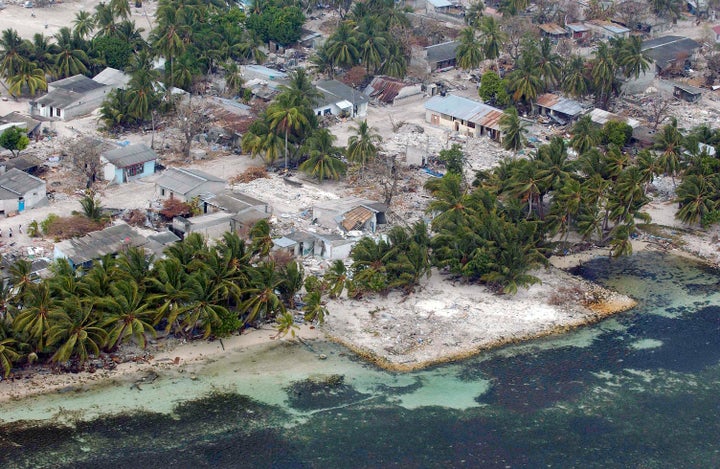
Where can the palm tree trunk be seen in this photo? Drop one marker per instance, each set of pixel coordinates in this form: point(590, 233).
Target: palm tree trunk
point(286, 151)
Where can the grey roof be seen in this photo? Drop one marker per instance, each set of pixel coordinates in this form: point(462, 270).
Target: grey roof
point(123, 157)
point(442, 52)
point(270, 73)
point(22, 163)
point(439, 3)
point(182, 181)
point(19, 182)
point(284, 242)
point(664, 50)
point(31, 124)
point(577, 27)
point(231, 201)
point(465, 109)
point(341, 91)
point(77, 83)
point(559, 104)
point(601, 117)
point(95, 245)
point(112, 77)
point(59, 98)
point(165, 237)
point(688, 88)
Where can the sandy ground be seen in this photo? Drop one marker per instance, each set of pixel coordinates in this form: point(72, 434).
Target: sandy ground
point(48, 20)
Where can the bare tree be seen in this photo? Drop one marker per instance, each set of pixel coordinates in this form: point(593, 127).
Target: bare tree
point(385, 172)
point(656, 108)
point(518, 29)
point(633, 13)
point(84, 157)
point(192, 120)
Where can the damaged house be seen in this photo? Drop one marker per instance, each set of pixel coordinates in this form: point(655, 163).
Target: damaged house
point(388, 90)
point(466, 116)
point(350, 214)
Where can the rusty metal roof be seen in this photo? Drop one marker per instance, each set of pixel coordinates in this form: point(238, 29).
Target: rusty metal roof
point(559, 104)
point(490, 119)
point(552, 28)
point(384, 89)
point(356, 218)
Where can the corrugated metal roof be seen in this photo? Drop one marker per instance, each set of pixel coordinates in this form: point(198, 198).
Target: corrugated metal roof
point(440, 3)
point(59, 98)
point(112, 77)
point(130, 155)
point(356, 218)
point(601, 117)
point(462, 108)
point(182, 181)
point(19, 182)
point(491, 119)
point(665, 50)
point(95, 245)
point(552, 28)
point(688, 88)
point(341, 91)
point(384, 89)
point(577, 27)
point(76, 83)
point(441, 52)
point(232, 201)
point(557, 103)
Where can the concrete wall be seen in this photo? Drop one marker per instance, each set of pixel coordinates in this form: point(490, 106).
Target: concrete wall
point(111, 173)
point(33, 198)
point(213, 187)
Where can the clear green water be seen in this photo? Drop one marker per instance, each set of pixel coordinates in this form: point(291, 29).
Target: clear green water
point(639, 390)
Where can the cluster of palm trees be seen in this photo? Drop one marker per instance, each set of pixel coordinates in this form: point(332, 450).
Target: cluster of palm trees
point(194, 289)
point(539, 68)
point(107, 37)
point(289, 131)
point(372, 35)
point(693, 157)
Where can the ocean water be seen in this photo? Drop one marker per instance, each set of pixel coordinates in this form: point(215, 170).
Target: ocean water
point(639, 390)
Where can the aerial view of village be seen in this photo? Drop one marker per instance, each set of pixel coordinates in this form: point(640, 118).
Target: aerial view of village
point(441, 194)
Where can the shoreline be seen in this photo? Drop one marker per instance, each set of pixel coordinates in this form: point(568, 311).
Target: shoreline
point(177, 356)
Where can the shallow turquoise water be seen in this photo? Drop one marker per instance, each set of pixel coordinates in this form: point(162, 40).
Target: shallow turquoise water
point(638, 390)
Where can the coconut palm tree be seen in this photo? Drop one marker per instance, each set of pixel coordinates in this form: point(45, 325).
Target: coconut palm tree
point(632, 60)
point(450, 203)
point(262, 300)
point(8, 355)
point(336, 278)
point(233, 78)
point(474, 13)
point(43, 53)
point(574, 80)
point(126, 314)
point(469, 51)
point(261, 141)
point(83, 24)
point(76, 332)
point(285, 117)
point(28, 77)
point(491, 36)
point(372, 43)
point(603, 73)
point(14, 51)
point(104, 20)
point(120, 8)
point(69, 60)
point(669, 142)
point(323, 158)
point(36, 316)
point(524, 81)
point(549, 64)
point(513, 130)
point(584, 135)
point(363, 146)
point(696, 198)
point(342, 47)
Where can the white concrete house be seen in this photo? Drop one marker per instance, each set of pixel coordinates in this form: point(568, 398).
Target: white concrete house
point(20, 191)
point(184, 184)
point(338, 99)
point(77, 95)
point(128, 163)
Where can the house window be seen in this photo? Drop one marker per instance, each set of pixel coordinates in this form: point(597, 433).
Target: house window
point(57, 111)
point(134, 170)
point(162, 192)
